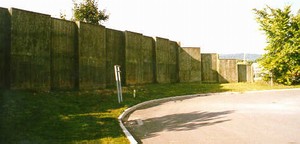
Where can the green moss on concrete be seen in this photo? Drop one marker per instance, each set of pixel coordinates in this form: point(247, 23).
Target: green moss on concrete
point(173, 62)
point(190, 64)
point(92, 56)
point(133, 57)
point(166, 61)
point(63, 54)
point(139, 58)
point(4, 47)
point(210, 68)
point(115, 55)
point(228, 70)
point(30, 50)
point(245, 73)
point(148, 60)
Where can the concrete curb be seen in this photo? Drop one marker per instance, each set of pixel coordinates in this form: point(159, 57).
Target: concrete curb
point(133, 108)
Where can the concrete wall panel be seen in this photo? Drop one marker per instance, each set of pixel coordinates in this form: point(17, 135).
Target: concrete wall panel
point(210, 68)
point(92, 56)
point(30, 50)
point(173, 60)
point(242, 73)
point(4, 47)
point(115, 55)
point(190, 64)
point(228, 70)
point(148, 45)
point(133, 57)
point(139, 58)
point(245, 73)
point(250, 74)
point(162, 60)
point(63, 55)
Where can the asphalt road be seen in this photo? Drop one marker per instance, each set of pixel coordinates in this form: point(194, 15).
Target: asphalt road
point(268, 117)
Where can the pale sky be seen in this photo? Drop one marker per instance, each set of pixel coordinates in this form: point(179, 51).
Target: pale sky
point(217, 26)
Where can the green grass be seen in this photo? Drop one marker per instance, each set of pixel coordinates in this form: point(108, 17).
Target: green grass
point(87, 116)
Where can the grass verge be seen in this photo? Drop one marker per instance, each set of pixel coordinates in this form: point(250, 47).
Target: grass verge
point(87, 116)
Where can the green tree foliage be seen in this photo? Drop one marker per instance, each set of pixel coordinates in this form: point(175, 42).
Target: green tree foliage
point(282, 57)
point(63, 15)
point(88, 12)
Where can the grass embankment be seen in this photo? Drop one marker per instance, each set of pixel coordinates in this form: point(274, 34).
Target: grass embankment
point(86, 117)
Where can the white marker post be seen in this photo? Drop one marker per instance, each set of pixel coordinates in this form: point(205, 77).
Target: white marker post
point(118, 80)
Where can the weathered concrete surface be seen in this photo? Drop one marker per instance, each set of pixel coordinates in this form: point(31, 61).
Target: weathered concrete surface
point(92, 56)
point(242, 73)
point(245, 73)
point(162, 52)
point(140, 60)
point(250, 73)
point(210, 67)
point(228, 71)
point(174, 61)
point(30, 50)
point(251, 117)
point(4, 47)
point(166, 53)
point(63, 55)
point(189, 64)
point(115, 55)
point(133, 57)
point(147, 51)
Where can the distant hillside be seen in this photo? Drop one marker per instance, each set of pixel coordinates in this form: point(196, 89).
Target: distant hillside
point(240, 56)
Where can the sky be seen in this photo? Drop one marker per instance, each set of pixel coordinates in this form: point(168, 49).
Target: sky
point(216, 26)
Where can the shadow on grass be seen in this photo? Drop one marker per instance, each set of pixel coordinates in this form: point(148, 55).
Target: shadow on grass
point(177, 122)
point(58, 117)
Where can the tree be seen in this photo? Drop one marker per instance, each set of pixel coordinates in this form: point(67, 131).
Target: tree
point(282, 58)
point(88, 12)
point(63, 15)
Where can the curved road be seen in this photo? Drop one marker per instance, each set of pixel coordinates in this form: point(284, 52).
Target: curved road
point(244, 118)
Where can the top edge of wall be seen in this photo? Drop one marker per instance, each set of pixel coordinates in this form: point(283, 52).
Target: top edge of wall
point(12, 8)
point(64, 20)
point(3, 8)
point(79, 22)
point(114, 29)
point(149, 37)
point(228, 59)
point(156, 37)
point(173, 41)
point(210, 53)
point(244, 64)
point(127, 31)
point(191, 47)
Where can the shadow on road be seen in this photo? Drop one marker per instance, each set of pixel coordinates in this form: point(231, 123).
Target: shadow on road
point(174, 99)
point(176, 122)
